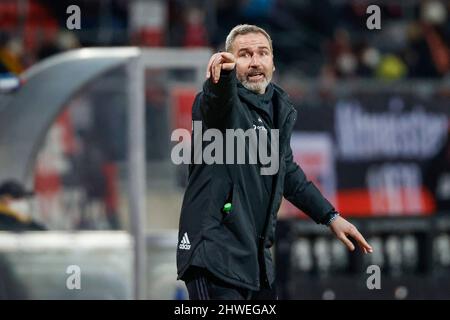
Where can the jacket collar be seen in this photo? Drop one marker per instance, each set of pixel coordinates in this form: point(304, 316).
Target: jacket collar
point(279, 98)
point(284, 105)
point(254, 99)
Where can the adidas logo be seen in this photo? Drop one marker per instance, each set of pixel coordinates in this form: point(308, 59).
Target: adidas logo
point(259, 119)
point(185, 244)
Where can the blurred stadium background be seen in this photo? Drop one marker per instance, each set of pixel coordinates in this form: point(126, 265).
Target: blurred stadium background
point(372, 133)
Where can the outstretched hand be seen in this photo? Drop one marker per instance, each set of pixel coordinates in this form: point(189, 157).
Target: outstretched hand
point(218, 62)
point(342, 229)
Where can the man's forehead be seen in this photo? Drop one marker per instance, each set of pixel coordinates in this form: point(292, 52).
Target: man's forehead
point(251, 40)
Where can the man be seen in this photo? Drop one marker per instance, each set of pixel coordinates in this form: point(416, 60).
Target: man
point(228, 216)
point(13, 208)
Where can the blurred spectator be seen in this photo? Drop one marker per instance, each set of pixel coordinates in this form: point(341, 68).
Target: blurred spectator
point(93, 182)
point(427, 54)
point(10, 53)
point(196, 34)
point(341, 53)
point(417, 55)
point(368, 60)
point(14, 208)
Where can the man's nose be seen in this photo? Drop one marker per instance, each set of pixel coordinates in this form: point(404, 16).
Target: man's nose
point(255, 62)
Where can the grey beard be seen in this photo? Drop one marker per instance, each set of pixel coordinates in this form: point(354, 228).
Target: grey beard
point(257, 87)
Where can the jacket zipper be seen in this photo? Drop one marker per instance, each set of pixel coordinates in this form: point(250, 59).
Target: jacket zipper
point(272, 198)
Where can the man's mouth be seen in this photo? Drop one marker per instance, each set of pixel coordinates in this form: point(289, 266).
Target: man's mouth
point(257, 76)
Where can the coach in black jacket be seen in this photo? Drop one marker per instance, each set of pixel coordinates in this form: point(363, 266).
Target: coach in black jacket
point(224, 254)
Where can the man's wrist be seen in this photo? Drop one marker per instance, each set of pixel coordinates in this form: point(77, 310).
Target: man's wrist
point(227, 73)
point(332, 216)
point(226, 77)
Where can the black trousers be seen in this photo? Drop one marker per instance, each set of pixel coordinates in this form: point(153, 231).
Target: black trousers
point(203, 285)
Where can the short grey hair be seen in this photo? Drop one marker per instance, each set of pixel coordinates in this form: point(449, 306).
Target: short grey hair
point(242, 29)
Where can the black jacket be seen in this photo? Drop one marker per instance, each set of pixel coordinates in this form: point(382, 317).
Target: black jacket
point(228, 244)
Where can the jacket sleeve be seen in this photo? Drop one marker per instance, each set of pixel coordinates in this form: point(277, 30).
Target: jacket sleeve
point(219, 98)
point(303, 193)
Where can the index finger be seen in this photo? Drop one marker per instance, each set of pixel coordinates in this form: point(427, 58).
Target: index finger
point(228, 56)
point(347, 242)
